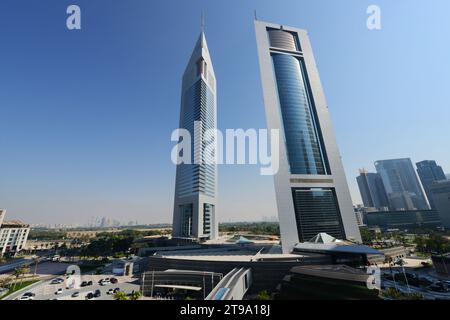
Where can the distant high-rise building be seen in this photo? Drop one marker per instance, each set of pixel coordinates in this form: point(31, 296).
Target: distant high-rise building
point(13, 235)
point(372, 190)
point(440, 192)
point(195, 204)
point(311, 189)
point(429, 172)
point(401, 184)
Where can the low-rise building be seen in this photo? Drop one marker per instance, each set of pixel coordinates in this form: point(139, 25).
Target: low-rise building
point(403, 219)
point(13, 235)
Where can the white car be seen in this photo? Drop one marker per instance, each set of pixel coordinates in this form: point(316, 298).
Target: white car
point(105, 282)
point(110, 291)
point(26, 298)
point(59, 291)
point(57, 281)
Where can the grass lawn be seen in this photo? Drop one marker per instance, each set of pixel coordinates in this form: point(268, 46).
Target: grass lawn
point(18, 287)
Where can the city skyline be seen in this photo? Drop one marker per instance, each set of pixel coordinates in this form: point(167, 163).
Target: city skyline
point(87, 148)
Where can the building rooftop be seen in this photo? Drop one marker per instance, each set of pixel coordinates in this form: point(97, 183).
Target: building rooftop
point(340, 272)
point(14, 224)
point(324, 243)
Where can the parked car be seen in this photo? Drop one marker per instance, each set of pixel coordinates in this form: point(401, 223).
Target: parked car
point(105, 282)
point(116, 290)
point(84, 284)
point(89, 296)
point(113, 280)
point(75, 294)
point(97, 293)
point(59, 291)
point(110, 291)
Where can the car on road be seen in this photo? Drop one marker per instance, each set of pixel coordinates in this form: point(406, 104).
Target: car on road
point(113, 280)
point(89, 296)
point(116, 290)
point(75, 294)
point(110, 291)
point(57, 281)
point(28, 296)
point(97, 293)
point(59, 291)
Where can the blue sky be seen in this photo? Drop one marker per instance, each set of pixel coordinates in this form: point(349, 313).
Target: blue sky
point(86, 116)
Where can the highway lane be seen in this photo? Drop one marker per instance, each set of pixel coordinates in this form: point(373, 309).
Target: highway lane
point(10, 266)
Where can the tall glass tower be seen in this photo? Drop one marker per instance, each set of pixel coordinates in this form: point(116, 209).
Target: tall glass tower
point(194, 212)
point(311, 189)
point(429, 172)
point(372, 190)
point(402, 186)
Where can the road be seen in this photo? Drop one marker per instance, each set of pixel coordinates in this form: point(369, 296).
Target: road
point(427, 294)
point(7, 267)
point(44, 290)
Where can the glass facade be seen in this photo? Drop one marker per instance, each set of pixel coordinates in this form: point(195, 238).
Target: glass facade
point(429, 173)
point(402, 186)
point(303, 142)
point(198, 178)
point(316, 211)
point(186, 211)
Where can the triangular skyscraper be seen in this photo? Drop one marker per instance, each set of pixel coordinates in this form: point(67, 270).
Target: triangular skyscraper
point(195, 204)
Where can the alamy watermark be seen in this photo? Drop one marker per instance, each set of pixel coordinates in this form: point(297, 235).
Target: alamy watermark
point(374, 19)
point(236, 146)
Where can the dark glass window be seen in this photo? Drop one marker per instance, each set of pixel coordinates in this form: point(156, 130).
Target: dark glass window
point(316, 211)
point(186, 211)
point(302, 133)
point(208, 210)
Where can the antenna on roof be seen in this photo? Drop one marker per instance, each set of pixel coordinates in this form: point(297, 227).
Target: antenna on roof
point(202, 23)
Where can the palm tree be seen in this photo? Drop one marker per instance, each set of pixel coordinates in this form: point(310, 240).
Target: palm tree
point(120, 295)
point(401, 263)
point(136, 295)
point(17, 273)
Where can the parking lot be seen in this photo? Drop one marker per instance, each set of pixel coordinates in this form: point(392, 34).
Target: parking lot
point(45, 290)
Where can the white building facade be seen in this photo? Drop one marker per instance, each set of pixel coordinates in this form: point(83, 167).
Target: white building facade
point(13, 235)
point(311, 188)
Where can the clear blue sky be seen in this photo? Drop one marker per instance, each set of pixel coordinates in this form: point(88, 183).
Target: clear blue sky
point(86, 116)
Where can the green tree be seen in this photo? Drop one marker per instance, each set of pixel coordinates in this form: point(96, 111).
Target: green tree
point(263, 295)
point(366, 235)
point(19, 273)
point(120, 295)
point(135, 295)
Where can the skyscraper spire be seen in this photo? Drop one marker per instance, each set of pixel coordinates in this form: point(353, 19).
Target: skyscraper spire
point(202, 23)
